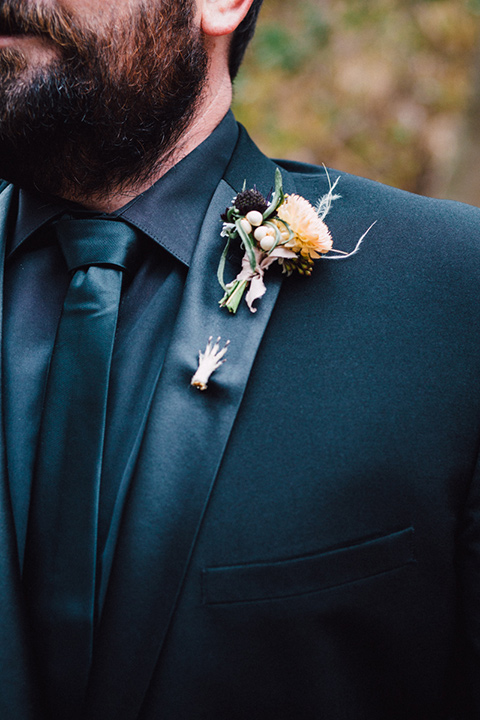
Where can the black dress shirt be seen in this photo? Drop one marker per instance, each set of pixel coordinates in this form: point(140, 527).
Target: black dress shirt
point(170, 215)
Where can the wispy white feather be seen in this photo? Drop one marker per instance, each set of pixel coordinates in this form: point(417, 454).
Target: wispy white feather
point(342, 255)
point(325, 202)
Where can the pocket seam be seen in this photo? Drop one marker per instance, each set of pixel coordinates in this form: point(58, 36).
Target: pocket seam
point(403, 537)
point(325, 588)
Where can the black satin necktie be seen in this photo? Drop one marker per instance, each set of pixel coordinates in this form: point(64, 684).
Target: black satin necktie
point(61, 552)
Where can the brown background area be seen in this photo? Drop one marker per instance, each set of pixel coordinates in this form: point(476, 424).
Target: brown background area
point(387, 89)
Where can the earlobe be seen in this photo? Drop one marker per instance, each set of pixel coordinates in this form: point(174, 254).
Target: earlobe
point(222, 17)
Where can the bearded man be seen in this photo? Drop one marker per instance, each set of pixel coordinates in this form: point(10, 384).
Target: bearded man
point(301, 540)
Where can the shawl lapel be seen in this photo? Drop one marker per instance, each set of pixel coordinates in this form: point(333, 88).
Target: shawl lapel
point(182, 447)
point(17, 697)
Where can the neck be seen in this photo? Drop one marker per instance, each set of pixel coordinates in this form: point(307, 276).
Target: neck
point(212, 108)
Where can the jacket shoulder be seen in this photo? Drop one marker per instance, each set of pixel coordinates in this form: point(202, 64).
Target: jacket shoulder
point(444, 225)
point(314, 178)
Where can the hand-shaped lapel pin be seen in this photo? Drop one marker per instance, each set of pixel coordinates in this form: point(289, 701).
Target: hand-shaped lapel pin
point(208, 362)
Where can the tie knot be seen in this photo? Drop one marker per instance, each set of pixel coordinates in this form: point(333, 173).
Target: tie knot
point(87, 241)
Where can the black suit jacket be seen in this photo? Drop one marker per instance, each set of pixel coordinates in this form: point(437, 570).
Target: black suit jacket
point(300, 541)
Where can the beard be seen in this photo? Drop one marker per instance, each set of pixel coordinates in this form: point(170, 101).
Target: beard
point(107, 110)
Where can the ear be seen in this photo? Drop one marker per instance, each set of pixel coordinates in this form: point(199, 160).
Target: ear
point(222, 17)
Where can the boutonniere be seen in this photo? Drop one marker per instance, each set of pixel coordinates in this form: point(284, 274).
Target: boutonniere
point(285, 229)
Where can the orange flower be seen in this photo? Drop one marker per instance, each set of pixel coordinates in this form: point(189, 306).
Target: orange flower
point(311, 236)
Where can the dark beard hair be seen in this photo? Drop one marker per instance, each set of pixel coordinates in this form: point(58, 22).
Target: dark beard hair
point(110, 110)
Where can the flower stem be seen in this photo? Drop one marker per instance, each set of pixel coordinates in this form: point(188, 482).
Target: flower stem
point(231, 299)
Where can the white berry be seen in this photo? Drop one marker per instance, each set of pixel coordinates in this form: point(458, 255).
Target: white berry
point(255, 218)
point(267, 243)
point(260, 233)
point(246, 225)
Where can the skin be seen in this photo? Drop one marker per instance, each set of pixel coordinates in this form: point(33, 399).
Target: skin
point(38, 51)
point(217, 19)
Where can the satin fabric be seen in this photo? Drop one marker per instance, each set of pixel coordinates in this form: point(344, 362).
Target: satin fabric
point(61, 557)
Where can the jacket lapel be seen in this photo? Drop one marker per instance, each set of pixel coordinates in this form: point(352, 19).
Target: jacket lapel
point(17, 696)
point(182, 447)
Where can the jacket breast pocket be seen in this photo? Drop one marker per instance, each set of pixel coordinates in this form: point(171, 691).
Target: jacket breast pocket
point(308, 574)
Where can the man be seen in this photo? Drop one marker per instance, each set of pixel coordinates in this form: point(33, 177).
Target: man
point(299, 541)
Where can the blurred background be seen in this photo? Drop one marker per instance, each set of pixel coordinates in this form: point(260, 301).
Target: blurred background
point(387, 89)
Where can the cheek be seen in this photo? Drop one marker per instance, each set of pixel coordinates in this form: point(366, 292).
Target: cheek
point(93, 20)
point(90, 11)
point(35, 50)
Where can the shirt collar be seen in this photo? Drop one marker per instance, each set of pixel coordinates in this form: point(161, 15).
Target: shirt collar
point(171, 211)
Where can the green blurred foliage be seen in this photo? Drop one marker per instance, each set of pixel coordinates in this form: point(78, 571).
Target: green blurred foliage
point(381, 88)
